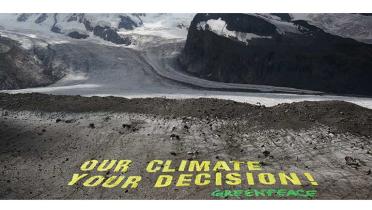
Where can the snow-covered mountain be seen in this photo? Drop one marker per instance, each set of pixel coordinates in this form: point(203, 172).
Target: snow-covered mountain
point(37, 49)
point(135, 55)
point(134, 28)
point(347, 25)
point(123, 29)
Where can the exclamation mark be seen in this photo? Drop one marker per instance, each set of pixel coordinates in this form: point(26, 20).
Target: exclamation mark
point(311, 179)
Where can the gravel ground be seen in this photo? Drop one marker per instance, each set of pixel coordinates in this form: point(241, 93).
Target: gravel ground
point(44, 139)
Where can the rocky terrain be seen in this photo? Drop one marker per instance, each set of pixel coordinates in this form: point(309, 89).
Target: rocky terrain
point(21, 68)
point(314, 53)
point(109, 79)
point(44, 139)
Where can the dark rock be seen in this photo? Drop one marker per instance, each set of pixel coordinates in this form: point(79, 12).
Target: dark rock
point(76, 17)
point(110, 34)
point(87, 25)
point(23, 17)
point(262, 163)
point(72, 18)
point(174, 136)
point(353, 162)
point(309, 59)
point(70, 121)
point(77, 35)
point(41, 18)
point(366, 14)
point(19, 68)
point(56, 29)
point(128, 126)
point(91, 125)
point(266, 153)
point(127, 23)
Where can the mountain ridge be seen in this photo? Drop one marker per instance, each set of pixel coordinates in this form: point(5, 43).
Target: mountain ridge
point(267, 50)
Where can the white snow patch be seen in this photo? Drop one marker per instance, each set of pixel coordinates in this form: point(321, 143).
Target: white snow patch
point(219, 27)
point(25, 42)
point(165, 26)
point(51, 89)
point(74, 76)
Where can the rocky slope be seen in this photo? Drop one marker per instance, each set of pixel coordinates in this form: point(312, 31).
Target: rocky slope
point(21, 68)
point(44, 139)
point(279, 50)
